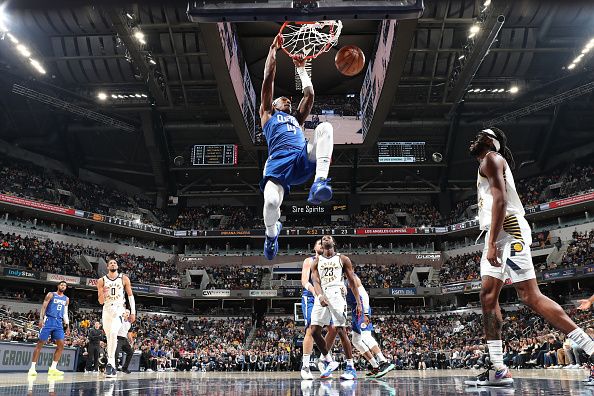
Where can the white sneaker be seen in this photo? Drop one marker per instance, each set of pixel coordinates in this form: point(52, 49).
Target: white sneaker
point(32, 372)
point(306, 373)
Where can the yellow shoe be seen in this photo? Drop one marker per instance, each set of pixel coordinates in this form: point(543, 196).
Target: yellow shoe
point(53, 371)
point(32, 372)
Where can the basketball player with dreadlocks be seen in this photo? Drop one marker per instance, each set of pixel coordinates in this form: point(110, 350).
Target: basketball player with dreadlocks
point(291, 159)
point(507, 254)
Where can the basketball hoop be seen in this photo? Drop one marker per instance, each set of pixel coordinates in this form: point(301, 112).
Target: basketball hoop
point(309, 39)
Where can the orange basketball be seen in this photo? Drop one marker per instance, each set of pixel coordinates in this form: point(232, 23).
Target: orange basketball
point(350, 60)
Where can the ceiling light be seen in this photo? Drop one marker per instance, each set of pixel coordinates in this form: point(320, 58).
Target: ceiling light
point(114, 96)
point(578, 59)
point(144, 96)
point(514, 89)
point(37, 66)
point(129, 15)
point(12, 38)
point(474, 29)
point(138, 95)
point(571, 66)
point(482, 90)
point(102, 96)
point(139, 35)
point(461, 57)
point(23, 50)
point(3, 17)
point(152, 61)
point(487, 3)
point(586, 50)
point(501, 89)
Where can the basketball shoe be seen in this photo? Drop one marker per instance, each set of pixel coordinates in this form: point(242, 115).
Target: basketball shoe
point(54, 371)
point(271, 244)
point(384, 368)
point(349, 374)
point(493, 377)
point(328, 367)
point(306, 373)
point(320, 191)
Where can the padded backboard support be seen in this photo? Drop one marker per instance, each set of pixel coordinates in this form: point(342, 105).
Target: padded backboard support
point(302, 10)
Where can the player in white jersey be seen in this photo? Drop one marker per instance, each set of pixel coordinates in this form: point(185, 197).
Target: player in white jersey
point(110, 292)
point(507, 254)
point(328, 271)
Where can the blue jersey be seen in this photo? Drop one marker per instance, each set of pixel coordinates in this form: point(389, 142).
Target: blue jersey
point(307, 293)
point(282, 132)
point(55, 308)
point(357, 323)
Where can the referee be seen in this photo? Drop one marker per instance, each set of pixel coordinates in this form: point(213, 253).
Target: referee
point(124, 340)
point(95, 336)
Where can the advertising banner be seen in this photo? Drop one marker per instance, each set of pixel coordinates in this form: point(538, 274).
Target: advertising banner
point(165, 291)
point(453, 288)
point(73, 280)
point(571, 200)
point(16, 356)
point(21, 273)
point(91, 282)
point(559, 273)
point(263, 293)
point(216, 293)
point(589, 270)
point(35, 204)
point(382, 231)
point(141, 288)
point(291, 291)
point(403, 291)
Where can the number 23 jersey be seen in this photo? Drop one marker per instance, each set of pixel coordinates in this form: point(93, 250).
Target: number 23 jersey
point(330, 270)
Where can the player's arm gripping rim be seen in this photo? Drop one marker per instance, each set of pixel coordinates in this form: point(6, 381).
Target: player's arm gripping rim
point(305, 272)
point(46, 301)
point(307, 101)
point(128, 288)
point(100, 291)
point(493, 169)
point(266, 108)
point(315, 277)
point(347, 265)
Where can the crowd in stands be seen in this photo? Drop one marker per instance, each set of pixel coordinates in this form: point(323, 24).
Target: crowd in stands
point(382, 276)
point(449, 340)
point(580, 250)
point(46, 255)
point(218, 217)
point(235, 277)
point(464, 267)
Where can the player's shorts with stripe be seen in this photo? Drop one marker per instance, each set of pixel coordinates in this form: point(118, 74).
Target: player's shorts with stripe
point(307, 303)
point(288, 167)
point(335, 312)
point(513, 243)
point(52, 327)
point(358, 322)
point(112, 318)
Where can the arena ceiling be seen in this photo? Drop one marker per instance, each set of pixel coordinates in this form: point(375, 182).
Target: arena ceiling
point(89, 48)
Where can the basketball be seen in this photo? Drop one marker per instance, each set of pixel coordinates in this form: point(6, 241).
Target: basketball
point(350, 60)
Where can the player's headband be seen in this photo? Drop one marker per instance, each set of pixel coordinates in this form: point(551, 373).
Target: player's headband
point(493, 137)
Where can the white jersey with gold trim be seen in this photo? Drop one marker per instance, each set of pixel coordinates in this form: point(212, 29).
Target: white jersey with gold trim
point(330, 270)
point(115, 299)
point(513, 205)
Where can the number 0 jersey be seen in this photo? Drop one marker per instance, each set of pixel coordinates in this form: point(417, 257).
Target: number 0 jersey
point(330, 270)
point(115, 297)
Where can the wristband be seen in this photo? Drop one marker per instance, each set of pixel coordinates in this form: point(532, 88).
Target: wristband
point(132, 305)
point(305, 80)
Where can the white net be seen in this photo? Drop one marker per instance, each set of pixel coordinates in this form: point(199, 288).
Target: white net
point(310, 39)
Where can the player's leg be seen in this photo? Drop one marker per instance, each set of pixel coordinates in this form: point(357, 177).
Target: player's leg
point(127, 348)
point(384, 365)
point(330, 337)
point(364, 350)
point(320, 317)
point(319, 150)
point(111, 325)
point(338, 306)
point(43, 337)
point(53, 370)
point(306, 308)
point(273, 198)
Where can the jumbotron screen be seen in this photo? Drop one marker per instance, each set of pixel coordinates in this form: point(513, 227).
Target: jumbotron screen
point(405, 152)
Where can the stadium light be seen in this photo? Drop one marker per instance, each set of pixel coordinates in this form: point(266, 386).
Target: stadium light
point(514, 89)
point(474, 29)
point(37, 66)
point(3, 17)
point(571, 66)
point(23, 50)
point(102, 96)
point(12, 38)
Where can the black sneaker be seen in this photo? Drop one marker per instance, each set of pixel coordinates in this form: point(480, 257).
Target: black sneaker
point(126, 371)
point(492, 377)
point(110, 372)
point(372, 373)
point(384, 369)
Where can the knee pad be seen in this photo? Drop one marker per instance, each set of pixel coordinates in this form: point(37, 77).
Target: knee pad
point(368, 339)
point(358, 342)
point(324, 129)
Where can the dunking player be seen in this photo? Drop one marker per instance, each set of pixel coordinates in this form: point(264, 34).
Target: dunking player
point(361, 329)
point(307, 303)
point(291, 159)
point(110, 291)
point(53, 316)
point(507, 254)
point(327, 272)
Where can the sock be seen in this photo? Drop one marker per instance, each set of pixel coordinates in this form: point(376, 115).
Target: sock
point(324, 141)
point(373, 362)
point(322, 167)
point(273, 197)
point(381, 357)
point(496, 353)
point(33, 365)
point(583, 340)
point(54, 364)
point(305, 361)
point(350, 363)
point(328, 357)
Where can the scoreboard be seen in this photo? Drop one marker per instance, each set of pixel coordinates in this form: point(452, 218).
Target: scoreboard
point(401, 152)
point(214, 154)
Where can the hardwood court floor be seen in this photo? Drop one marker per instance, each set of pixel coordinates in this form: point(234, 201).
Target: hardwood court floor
point(403, 383)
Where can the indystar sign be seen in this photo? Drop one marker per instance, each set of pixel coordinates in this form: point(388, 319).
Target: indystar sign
point(17, 357)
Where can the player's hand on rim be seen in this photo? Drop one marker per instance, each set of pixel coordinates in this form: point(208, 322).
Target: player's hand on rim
point(277, 43)
point(298, 60)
